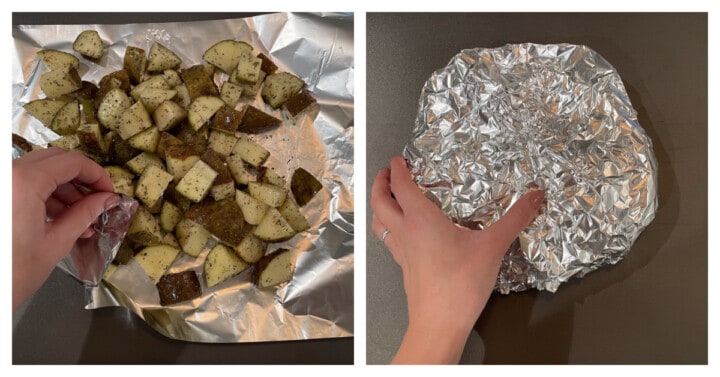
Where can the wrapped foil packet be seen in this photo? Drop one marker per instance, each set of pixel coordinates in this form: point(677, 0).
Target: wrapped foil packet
point(318, 302)
point(497, 122)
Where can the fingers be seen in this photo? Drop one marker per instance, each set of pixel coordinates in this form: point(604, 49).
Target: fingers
point(77, 218)
point(39, 154)
point(382, 202)
point(517, 218)
point(390, 241)
point(406, 191)
point(65, 167)
point(67, 193)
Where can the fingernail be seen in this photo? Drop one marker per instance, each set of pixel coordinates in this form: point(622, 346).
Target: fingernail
point(537, 198)
point(112, 202)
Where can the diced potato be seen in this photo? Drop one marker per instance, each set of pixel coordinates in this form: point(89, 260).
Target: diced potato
point(168, 115)
point(161, 58)
point(250, 151)
point(55, 59)
point(152, 98)
point(146, 140)
point(268, 66)
point(299, 103)
point(274, 269)
point(273, 227)
point(135, 62)
point(304, 186)
point(226, 54)
point(67, 120)
point(223, 219)
point(144, 228)
point(251, 248)
point(133, 121)
point(153, 82)
point(237, 169)
point(221, 142)
point(291, 212)
point(122, 180)
point(224, 185)
point(256, 121)
point(119, 151)
point(172, 77)
point(170, 215)
point(44, 109)
point(202, 109)
point(226, 119)
point(248, 69)
point(155, 260)
point(199, 82)
point(91, 139)
point(139, 163)
point(221, 264)
point(151, 185)
point(279, 87)
point(196, 183)
point(267, 175)
point(230, 93)
point(167, 140)
point(272, 195)
point(249, 90)
point(180, 159)
point(67, 143)
point(89, 45)
point(183, 96)
point(171, 240)
point(253, 209)
point(192, 237)
point(60, 82)
point(112, 107)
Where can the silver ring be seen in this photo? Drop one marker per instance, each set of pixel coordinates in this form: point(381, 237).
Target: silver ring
point(384, 234)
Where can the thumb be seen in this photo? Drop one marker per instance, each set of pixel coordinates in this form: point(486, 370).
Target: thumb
point(517, 218)
point(72, 223)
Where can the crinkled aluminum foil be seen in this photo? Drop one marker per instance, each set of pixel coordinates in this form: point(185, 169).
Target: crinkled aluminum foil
point(497, 121)
point(318, 302)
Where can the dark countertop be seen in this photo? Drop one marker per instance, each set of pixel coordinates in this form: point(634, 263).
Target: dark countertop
point(53, 328)
point(649, 308)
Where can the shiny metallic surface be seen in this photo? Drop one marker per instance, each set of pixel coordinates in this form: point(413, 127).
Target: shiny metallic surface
point(497, 122)
point(318, 302)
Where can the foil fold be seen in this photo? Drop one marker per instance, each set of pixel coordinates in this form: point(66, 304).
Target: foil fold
point(496, 123)
point(318, 302)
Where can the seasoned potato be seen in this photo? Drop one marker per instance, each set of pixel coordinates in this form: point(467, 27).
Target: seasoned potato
point(231, 93)
point(170, 215)
point(268, 66)
point(273, 227)
point(151, 185)
point(122, 180)
point(291, 212)
point(251, 248)
point(223, 219)
point(135, 62)
point(91, 139)
point(67, 120)
point(223, 185)
point(180, 159)
point(299, 103)
point(253, 209)
point(153, 97)
point(221, 264)
point(304, 186)
point(156, 259)
point(274, 269)
point(192, 237)
point(133, 120)
point(279, 87)
point(226, 119)
point(248, 69)
point(202, 109)
point(144, 228)
point(198, 82)
point(250, 151)
point(222, 142)
point(58, 60)
point(44, 109)
point(146, 140)
point(112, 108)
point(255, 121)
point(89, 45)
point(60, 82)
point(154, 82)
point(67, 143)
point(225, 54)
point(237, 169)
point(119, 151)
point(178, 287)
point(168, 115)
point(161, 58)
point(268, 175)
point(139, 163)
point(271, 195)
point(196, 183)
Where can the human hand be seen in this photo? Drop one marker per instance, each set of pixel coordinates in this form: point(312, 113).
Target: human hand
point(448, 271)
point(46, 184)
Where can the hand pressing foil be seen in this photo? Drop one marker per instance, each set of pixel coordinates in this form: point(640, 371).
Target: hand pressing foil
point(497, 122)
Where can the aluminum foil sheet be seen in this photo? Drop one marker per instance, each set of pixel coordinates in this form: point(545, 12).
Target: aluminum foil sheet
point(318, 302)
point(497, 122)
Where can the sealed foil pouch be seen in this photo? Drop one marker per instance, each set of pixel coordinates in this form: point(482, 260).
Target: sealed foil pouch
point(496, 123)
point(318, 301)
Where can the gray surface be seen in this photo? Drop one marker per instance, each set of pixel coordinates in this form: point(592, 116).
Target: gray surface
point(53, 328)
point(652, 306)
